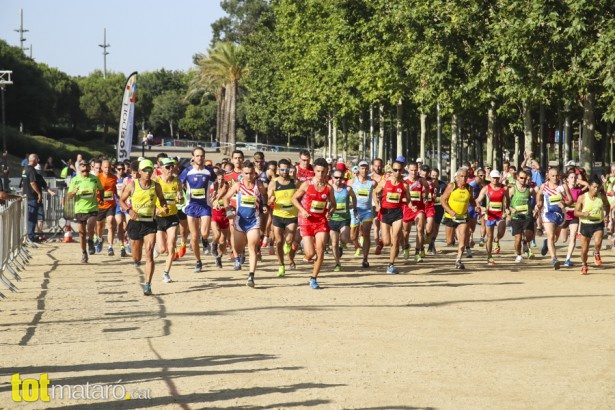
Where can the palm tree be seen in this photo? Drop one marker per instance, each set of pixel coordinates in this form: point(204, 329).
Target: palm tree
point(220, 72)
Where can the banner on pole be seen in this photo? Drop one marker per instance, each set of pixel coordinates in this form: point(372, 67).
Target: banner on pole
point(127, 118)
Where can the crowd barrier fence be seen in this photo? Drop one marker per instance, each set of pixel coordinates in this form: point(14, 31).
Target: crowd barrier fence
point(13, 252)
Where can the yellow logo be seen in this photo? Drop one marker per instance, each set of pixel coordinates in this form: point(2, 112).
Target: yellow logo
point(30, 389)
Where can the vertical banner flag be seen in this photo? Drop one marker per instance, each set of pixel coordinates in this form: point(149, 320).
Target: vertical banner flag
point(127, 118)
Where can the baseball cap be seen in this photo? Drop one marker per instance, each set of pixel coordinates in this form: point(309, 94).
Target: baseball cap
point(329, 160)
point(340, 166)
point(571, 164)
point(419, 159)
point(355, 169)
point(425, 167)
point(146, 163)
point(208, 163)
point(494, 174)
point(166, 161)
point(363, 164)
point(401, 159)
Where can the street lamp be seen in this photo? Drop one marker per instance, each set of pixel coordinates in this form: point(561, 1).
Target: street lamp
point(5, 79)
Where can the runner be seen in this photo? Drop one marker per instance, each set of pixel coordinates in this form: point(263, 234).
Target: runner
point(551, 200)
point(340, 220)
point(361, 224)
point(88, 191)
point(196, 179)
point(476, 183)
point(315, 201)
point(232, 177)
point(388, 195)
point(141, 226)
point(106, 208)
point(414, 212)
point(120, 217)
point(435, 176)
point(593, 210)
point(219, 221)
point(284, 218)
point(377, 175)
point(577, 187)
point(522, 217)
point(167, 220)
point(429, 195)
point(246, 218)
point(497, 201)
point(456, 200)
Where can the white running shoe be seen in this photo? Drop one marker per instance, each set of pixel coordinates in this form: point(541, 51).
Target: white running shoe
point(518, 259)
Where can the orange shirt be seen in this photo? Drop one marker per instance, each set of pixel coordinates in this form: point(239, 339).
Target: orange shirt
point(108, 183)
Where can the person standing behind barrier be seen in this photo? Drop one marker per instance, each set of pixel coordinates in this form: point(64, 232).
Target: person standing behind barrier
point(106, 208)
point(87, 190)
point(142, 226)
point(34, 195)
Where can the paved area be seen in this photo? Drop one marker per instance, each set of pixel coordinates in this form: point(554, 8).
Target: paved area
point(512, 336)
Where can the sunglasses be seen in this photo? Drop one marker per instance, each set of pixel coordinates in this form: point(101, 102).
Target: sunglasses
point(522, 178)
point(337, 177)
point(168, 167)
point(283, 169)
point(119, 169)
point(147, 170)
point(397, 169)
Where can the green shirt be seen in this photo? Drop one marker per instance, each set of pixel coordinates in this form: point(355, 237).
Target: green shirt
point(86, 200)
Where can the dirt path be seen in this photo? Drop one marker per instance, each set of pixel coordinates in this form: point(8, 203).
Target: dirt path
point(518, 336)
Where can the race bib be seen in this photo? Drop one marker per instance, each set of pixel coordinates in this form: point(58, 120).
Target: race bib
point(86, 193)
point(495, 206)
point(318, 207)
point(555, 199)
point(340, 207)
point(108, 195)
point(286, 204)
point(248, 201)
point(415, 196)
point(363, 192)
point(393, 197)
point(170, 197)
point(522, 209)
point(595, 215)
point(198, 193)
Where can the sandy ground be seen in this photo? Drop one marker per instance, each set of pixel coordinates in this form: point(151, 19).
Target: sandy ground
point(512, 336)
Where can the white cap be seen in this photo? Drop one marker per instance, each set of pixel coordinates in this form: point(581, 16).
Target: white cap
point(571, 164)
point(494, 174)
point(419, 159)
point(329, 160)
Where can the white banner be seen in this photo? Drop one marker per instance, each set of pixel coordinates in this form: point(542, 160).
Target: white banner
point(127, 118)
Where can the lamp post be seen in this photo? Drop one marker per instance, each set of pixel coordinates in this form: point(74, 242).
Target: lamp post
point(5, 79)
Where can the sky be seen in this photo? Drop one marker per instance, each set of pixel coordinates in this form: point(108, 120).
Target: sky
point(144, 35)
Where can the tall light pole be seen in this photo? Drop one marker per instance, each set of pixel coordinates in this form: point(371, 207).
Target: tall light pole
point(21, 30)
point(104, 46)
point(5, 80)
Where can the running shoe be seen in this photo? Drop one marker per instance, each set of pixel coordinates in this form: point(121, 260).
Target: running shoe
point(378, 250)
point(271, 250)
point(214, 249)
point(99, 246)
point(518, 259)
point(123, 253)
point(84, 257)
point(136, 264)
point(250, 281)
point(568, 263)
point(533, 243)
point(584, 270)
point(422, 253)
point(392, 270)
point(418, 258)
point(287, 248)
point(166, 278)
point(281, 271)
point(242, 258)
point(459, 265)
point(337, 268)
point(481, 243)
point(597, 259)
point(110, 252)
point(358, 252)
point(147, 289)
point(468, 253)
point(182, 250)
point(314, 284)
point(294, 246)
point(198, 266)
point(175, 255)
point(496, 247)
point(207, 249)
point(530, 254)
point(219, 261)
point(91, 248)
point(432, 250)
point(491, 262)
point(292, 266)
point(341, 250)
point(556, 264)
point(128, 248)
point(365, 263)
point(237, 265)
point(545, 248)
point(406, 254)
point(259, 256)
point(156, 253)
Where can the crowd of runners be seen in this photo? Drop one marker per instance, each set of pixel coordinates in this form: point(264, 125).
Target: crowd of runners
point(240, 208)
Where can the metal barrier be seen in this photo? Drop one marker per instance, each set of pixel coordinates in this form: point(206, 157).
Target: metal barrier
point(13, 253)
point(58, 210)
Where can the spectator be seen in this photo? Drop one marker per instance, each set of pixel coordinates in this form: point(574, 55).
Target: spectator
point(48, 168)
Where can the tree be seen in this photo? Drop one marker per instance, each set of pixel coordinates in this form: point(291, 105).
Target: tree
point(101, 98)
point(169, 108)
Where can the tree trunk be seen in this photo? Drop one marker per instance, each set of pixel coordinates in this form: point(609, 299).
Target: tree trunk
point(344, 140)
point(381, 132)
point(232, 114)
point(589, 133)
point(398, 127)
point(527, 128)
point(423, 136)
point(334, 139)
point(544, 154)
point(171, 128)
point(454, 147)
point(490, 133)
point(567, 135)
point(372, 137)
point(219, 113)
point(329, 153)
